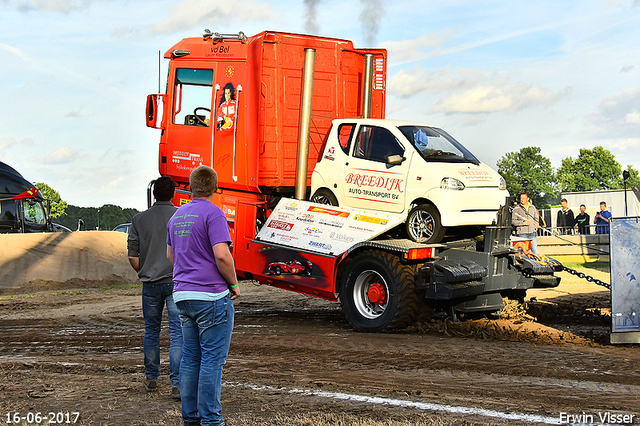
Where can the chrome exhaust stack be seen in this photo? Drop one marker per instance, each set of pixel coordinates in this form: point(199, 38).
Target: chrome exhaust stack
point(305, 124)
point(367, 86)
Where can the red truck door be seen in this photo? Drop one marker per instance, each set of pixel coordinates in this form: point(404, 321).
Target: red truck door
point(206, 123)
point(188, 138)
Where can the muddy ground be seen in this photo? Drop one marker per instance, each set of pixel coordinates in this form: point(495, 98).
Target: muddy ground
point(295, 361)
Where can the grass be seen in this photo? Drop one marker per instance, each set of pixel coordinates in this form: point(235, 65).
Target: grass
point(31, 295)
point(127, 286)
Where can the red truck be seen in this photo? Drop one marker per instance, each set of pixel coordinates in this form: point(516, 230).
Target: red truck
point(259, 110)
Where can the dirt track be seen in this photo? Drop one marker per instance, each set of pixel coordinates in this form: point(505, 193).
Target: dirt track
point(294, 357)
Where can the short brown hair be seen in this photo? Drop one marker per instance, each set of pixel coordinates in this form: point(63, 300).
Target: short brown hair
point(203, 181)
point(603, 202)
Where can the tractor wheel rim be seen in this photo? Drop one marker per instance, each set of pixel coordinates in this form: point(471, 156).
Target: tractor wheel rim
point(363, 303)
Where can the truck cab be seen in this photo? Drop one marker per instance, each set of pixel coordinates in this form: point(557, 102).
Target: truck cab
point(22, 206)
point(416, 171)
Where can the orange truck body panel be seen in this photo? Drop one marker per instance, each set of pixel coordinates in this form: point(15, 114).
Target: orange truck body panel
point(269, 70)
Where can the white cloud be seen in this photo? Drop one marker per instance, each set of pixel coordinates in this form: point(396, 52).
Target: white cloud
point(415, 81)
point(62, 6)
point(114, 186)
point(63, 155)
point(209, 14)
point(11, 148)
point(478, 99)
point(618, 114)
point(627, 144)
point(632, 117)
point(468, 90)
point(418, 48)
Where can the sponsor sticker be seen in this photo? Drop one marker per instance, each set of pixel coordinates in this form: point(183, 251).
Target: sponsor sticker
point(371, 219)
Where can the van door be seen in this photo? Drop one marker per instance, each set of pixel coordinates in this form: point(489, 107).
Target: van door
point(369, 180)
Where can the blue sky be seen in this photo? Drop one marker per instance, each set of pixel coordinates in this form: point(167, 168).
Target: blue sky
point(497, 75)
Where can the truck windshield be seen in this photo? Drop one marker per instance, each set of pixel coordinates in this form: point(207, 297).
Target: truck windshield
point(436, 145)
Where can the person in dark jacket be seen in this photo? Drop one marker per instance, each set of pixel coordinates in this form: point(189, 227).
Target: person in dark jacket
point(566, 221)
point(583, 221)
point(147, 251)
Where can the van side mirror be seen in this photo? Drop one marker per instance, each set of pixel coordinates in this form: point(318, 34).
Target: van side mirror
point(395, 159)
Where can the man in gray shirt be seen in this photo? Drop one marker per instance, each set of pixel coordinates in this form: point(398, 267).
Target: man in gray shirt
point(147, 250)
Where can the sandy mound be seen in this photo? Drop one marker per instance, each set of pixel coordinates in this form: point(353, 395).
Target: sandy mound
point(35, 262)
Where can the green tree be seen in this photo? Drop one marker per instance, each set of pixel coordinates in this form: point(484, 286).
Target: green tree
point(634, 177)
point(111, 216)
point(107, 216)
point(594, 169)
point(529, 164)
point(58, 205)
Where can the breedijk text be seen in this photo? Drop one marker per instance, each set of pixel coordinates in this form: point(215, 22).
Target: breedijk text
point(390, 184)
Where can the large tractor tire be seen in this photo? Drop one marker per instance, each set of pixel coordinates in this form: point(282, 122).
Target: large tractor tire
point(378, 293)
point(423, 224)
point(324, 196)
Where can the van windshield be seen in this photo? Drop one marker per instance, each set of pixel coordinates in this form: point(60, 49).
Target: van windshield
point(436, 145)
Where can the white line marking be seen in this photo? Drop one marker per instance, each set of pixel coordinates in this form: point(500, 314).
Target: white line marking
point(412, 404)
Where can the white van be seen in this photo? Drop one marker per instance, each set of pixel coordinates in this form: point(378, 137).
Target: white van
point(417, 171)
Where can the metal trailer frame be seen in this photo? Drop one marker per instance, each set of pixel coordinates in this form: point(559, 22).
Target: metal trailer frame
point(625, 279)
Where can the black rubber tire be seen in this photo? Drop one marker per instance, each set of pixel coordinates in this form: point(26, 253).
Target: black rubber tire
point(423, 224)
point(324, 196)
point(277, 270)
point(371, 266)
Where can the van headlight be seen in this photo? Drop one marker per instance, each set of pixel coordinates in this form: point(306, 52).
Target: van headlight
point(451, 183)
point(503, 184)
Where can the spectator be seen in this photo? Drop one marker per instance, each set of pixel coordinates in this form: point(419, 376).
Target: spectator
point(565, 220)
point(583, 221)
point(205, 279)
point(602, 219)
point(526, 219)
point(147, 251)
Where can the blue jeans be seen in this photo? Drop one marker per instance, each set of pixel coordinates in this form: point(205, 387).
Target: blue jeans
point(206, 327)
point(154, 297)
point(534, 240)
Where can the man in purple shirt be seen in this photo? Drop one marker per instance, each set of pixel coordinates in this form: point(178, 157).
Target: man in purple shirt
point(205, 285)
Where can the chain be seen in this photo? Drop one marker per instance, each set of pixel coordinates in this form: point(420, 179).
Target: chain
point(587, 277)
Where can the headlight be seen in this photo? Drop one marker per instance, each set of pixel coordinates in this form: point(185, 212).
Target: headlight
point(451, 183)
point(503, 184)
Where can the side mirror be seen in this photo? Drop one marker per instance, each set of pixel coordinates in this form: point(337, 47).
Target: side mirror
point(395, 159)
point(153, 111)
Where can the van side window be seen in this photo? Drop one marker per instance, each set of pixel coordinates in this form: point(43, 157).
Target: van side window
point(376, 144)
point(345, 131)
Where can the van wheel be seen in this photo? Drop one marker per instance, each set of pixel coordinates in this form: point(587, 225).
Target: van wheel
point(324, 196)
point(378, 293)
point(423, 224)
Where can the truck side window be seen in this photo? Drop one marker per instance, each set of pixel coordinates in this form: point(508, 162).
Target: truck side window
point(376, 144)
point(193, 93)
point(7, 209)
point(33, 212)
point(345, 131)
